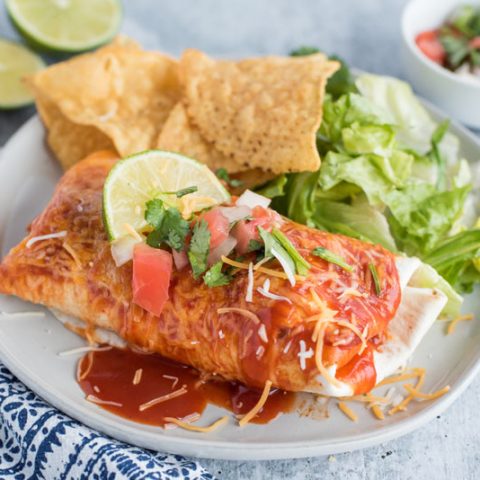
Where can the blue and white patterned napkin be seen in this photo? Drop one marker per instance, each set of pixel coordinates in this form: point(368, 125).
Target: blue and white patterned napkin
point(39, 442)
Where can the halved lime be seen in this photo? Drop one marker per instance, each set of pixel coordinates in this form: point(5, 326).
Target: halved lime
point(16, 62)
point(141, 177)
point(66, 25)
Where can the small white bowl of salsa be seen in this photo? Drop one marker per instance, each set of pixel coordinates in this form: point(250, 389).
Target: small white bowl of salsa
point(441, 50)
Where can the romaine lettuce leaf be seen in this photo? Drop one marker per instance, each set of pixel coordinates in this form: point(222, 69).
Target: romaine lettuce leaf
point(421, 216)
point(298, 203)
point(454, 259)
point(415, 126)
point(427, 277)
point(359, 221)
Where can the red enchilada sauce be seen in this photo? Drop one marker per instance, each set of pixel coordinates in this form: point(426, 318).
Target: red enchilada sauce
point(107, 376)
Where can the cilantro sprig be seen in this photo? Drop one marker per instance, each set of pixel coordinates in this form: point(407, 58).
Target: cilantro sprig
point(169, 227)
point(199, 248)
point(214, 277)
point(222, 174)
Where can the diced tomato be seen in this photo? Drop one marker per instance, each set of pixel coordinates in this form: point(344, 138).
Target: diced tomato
point(247, 230)
point(152, 269)
point(475, 43)
point(243, 232)
point(266, 218)
point(218, 226)
point(428, 42)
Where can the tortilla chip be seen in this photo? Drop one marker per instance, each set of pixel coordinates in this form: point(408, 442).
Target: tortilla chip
point(69, 141)
point(261, 112)
point(179, 135)
point(121, 90)
point(251, 179)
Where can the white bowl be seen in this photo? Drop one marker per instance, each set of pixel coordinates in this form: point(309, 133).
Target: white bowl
point(456, 95)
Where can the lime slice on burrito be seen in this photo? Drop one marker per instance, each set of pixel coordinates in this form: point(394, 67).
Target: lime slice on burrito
point(141, 177)
point(15, 62)
point(66, 25)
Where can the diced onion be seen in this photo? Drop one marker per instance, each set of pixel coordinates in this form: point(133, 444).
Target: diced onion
point(223, 250)
point(251, 199)
point(234, 214)
point(122, 249)
point(180, 259)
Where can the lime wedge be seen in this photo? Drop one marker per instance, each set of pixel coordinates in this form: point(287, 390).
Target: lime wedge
point(141, 177)
point(16, 62)
point(66, 25)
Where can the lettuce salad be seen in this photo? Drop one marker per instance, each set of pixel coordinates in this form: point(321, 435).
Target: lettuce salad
point(389, 175)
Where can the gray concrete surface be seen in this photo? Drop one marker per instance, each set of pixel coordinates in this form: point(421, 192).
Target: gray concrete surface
point(367, 34)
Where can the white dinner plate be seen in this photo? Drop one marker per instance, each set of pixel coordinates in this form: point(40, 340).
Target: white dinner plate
point(29, 347)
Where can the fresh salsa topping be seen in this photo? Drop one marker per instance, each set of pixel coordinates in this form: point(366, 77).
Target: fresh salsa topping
point(456, 44)
point(203, 241)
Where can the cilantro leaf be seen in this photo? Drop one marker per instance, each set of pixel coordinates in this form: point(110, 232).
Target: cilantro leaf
point(199, 248)
point(169, 226)
point(254, 245)
point(215, 278)
point(222, 174)
point(304, 50)
point(154, 212)
point(175, 229)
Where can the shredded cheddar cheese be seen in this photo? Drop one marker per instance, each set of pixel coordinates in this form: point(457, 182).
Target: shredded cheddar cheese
point(195, 428)
point(48, 236)
point(72, 253)
point(420, 372)
point(367, 398)
point(163, 398)
point(267, 271)
point(261, 402)
point(378, 412)
point(137, 378)
point(319, 361)
point(241, 311)
point(452, 325)
point(99, 401)
point(346, 410)
point(87, 348)
point(261, 262)
point(171, 377)
point(426, 396)
point(132, 232)
point(81, 375)
point(397, 378)
point(194, 203)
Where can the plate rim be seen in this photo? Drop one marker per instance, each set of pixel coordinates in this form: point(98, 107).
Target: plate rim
point(256, 450)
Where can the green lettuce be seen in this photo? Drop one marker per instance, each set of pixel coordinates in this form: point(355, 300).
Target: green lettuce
point(359, 221)
point(427, 277)
point(421, 216)
point(455, 258)
point(389, 175)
